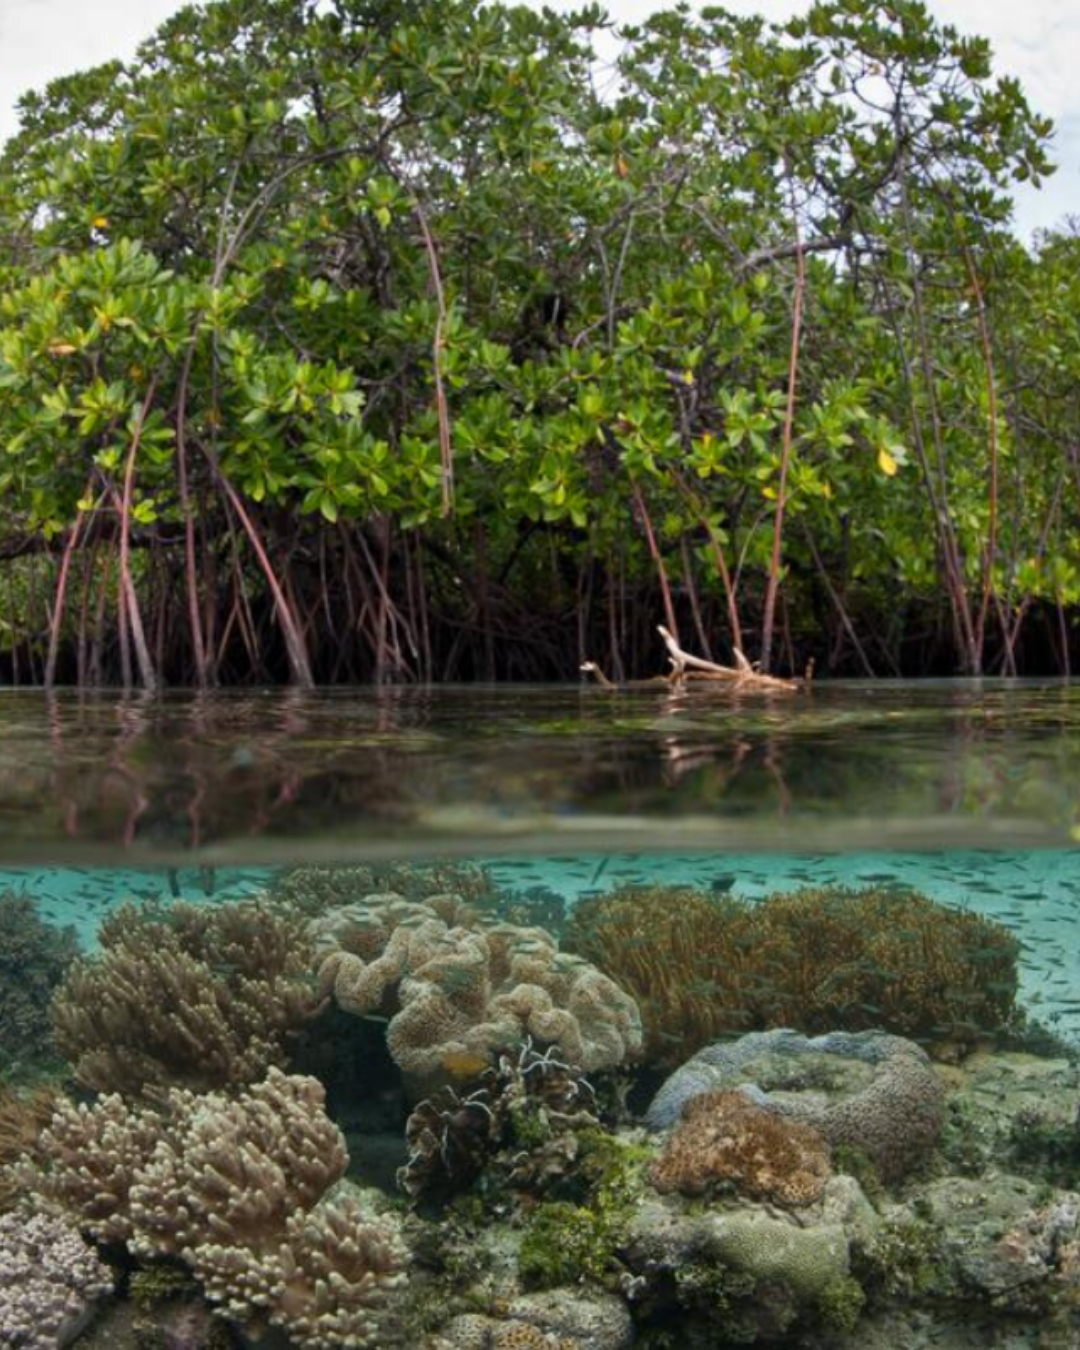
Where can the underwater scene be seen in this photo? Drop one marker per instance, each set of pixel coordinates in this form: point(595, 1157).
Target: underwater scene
point(541, 1019)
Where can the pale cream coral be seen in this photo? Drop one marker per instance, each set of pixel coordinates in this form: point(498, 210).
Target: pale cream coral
point(238, 1188)
point(455, 988)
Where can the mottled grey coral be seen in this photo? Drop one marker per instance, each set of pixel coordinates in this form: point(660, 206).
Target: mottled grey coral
point(866, 1090)
point(50, 1280)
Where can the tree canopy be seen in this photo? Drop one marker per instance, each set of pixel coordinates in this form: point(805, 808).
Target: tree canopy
point(381, 339)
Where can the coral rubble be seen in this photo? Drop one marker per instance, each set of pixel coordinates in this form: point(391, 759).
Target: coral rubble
point(186, 996)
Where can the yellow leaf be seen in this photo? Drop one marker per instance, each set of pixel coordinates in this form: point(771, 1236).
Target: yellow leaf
point(61, 349)
point(886, 463)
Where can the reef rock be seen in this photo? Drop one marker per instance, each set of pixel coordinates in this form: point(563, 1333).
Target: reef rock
point(865, 1090)
point(1004, 1241)
point(748, 1266)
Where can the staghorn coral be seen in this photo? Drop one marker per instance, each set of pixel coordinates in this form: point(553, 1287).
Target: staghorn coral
point(863, 1090)
point(457, 990)
point(686, 957)
point(523, 1118)
point(724, 1137)
point(50, 1281)
point(816, 960)
point(885, 959)
point(33, 958)
point(187, 996)
point(239, 1189)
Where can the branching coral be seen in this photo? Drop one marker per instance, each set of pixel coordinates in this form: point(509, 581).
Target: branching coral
point(686, 957)
point(816, 960)
point(457, 991)
point(50, 1280)
point(186, 996)
point(33, 958)
point(239, 1189)
point(23, 1117)
point(724, 1137)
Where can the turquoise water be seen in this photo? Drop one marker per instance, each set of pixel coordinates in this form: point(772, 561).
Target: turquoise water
point(199, 893)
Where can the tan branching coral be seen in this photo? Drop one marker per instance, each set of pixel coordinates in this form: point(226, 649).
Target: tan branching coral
point(816, 960)
point(686, 957)
point(239, 1189)
point(724, 1137)
point(186, 996)
point(457, 990)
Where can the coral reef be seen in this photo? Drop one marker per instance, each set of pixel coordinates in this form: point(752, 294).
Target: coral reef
point(23, 1116)
point(1004, 1241)
point(816, 960)
point(314, 890)
point(523, 1119)
point(561, 1320)
point(864, 1090)
point(50, 1281)
point(33, 958)
point(186, 996)
point(240, 1190)
point(738, 1275)
point(457, 991)
point(725, 1138)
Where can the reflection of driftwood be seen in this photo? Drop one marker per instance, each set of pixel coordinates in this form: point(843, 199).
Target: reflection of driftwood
point(741, 676)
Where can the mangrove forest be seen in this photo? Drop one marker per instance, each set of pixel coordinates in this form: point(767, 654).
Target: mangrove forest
point(424, 340)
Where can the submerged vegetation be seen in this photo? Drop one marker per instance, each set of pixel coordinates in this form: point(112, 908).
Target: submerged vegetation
point(368, 340)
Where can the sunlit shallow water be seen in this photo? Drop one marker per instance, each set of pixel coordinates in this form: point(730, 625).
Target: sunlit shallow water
point(966, 796)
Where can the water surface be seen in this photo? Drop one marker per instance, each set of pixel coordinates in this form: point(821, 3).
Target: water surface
point(242, 778)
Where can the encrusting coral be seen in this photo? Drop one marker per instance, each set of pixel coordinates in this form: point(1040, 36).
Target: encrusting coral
point(725, 1138)
point(50, 1281)
point(457, 991)
point(816, 960)
point(186, 996)
point(862, 1090)
point(239, 1188)
point(33, 957)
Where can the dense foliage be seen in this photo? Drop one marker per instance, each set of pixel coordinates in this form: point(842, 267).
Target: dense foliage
point(397, 339)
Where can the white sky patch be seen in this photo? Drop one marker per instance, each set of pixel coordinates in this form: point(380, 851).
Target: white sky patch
point(1036, 40)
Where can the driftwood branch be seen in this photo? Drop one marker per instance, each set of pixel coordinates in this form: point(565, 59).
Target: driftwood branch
point(741, 677)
